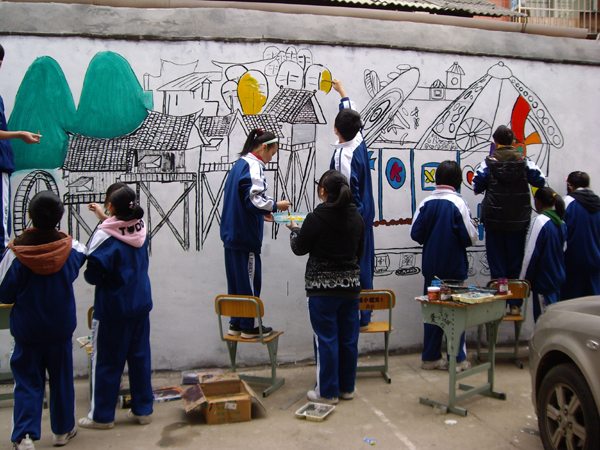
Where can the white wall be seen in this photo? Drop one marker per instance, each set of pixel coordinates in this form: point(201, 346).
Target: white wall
point(185, 283)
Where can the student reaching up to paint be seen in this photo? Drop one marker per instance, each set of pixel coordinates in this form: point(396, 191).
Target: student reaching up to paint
point(7, 167)
point(118, 267)
point(352, 159)
point(544, 261)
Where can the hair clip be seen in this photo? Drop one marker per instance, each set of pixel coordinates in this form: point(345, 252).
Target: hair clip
point(131, 204)
point(259, 132)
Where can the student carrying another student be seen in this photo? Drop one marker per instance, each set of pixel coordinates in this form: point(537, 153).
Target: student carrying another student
point(118, 267)
point(37, 275)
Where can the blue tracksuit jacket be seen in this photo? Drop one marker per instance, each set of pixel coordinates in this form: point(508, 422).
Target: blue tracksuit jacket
point(583, 238)
point(352, 159)
point(44, 303)
point(245, 203)
point(120, 273)
point(7, 159)
point(442, 224)
point(544, 263)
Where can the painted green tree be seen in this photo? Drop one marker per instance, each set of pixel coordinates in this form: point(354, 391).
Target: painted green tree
point(44, 104)
point(112, 102)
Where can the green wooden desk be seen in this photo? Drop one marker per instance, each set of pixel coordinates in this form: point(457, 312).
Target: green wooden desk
point(454, 319)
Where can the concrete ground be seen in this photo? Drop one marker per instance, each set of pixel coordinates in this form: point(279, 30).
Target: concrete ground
point(390, 413)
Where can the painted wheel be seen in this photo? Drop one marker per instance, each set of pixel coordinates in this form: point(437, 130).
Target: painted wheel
point(473, 132)
point(34, 182)
point(567, 413)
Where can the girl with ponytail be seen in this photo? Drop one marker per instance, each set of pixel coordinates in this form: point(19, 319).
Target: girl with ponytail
point(334, 237)
point(544, 263)
point(118, 267)
point(246, 207)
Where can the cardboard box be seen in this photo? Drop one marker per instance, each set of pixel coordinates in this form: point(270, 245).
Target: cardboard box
point(225, 399)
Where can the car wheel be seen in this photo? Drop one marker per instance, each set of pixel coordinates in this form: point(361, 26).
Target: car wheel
point(567, 415)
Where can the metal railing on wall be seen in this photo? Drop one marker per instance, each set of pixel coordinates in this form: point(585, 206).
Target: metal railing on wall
point(563, 13)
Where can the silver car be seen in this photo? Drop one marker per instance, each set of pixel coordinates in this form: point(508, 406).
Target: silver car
point(564, 356)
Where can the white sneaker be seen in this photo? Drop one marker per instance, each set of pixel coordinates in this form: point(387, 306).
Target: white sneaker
point(313, 397)
point(25, 444)
point(58, 440)
point(462, 366)
point(347, 395)
point(515, 310)
point(142, 420)
point(440, 364)
point(86, 422)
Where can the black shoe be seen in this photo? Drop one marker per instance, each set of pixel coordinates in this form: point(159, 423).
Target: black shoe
point(253, 333)
point(234, 330)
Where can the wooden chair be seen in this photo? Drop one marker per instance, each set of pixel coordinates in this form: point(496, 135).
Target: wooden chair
point(88, 348)
point(372, 300)
point(250, 307)
point(518, 289)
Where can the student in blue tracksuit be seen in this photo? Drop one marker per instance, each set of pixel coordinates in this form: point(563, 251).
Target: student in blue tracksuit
point(37, 275)
point(443, 225)
point(118, 267)
point(582, 256)
point(544, 262)
point(352, 159)
point(246, 207)
point(333, 236)
point(7, 167)
point(505, 177)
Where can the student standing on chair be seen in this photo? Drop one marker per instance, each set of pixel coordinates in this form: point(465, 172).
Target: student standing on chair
point(37, 275)
point(333, 236)
point(544, 262)
point(582, 256)
point(246, 207)
point(118, 267)
point(442, 225)
point(505, 177)
point(352, 159)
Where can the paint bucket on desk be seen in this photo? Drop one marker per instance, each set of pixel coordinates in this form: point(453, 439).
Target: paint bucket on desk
point(433, 293)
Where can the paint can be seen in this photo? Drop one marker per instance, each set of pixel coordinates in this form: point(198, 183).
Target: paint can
point(433, 293)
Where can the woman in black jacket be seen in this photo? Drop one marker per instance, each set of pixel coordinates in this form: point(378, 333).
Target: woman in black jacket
point(333, 236)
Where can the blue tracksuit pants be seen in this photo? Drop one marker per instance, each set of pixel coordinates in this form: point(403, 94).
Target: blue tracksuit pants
point(541, 301)
point(29, 364)
point(113, 344)
point(243, 270)
point(579, 284)
point(367, 271)
point(336, 327)
point(505, 251)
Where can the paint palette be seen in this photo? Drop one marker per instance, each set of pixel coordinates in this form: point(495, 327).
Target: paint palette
point(314, 412)
point(285, 217)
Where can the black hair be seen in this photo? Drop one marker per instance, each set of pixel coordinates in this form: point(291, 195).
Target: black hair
point(46, 210)
point(111, 189)
point(348, 123)
point(1, 52)
point(547, 197)
point(255, 138)
point(124, 202)
point(503, 135)
point(449, 173)
point(578, 180)
point(338, 190)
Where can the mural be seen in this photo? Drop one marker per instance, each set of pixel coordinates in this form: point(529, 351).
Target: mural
point(174, 135)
